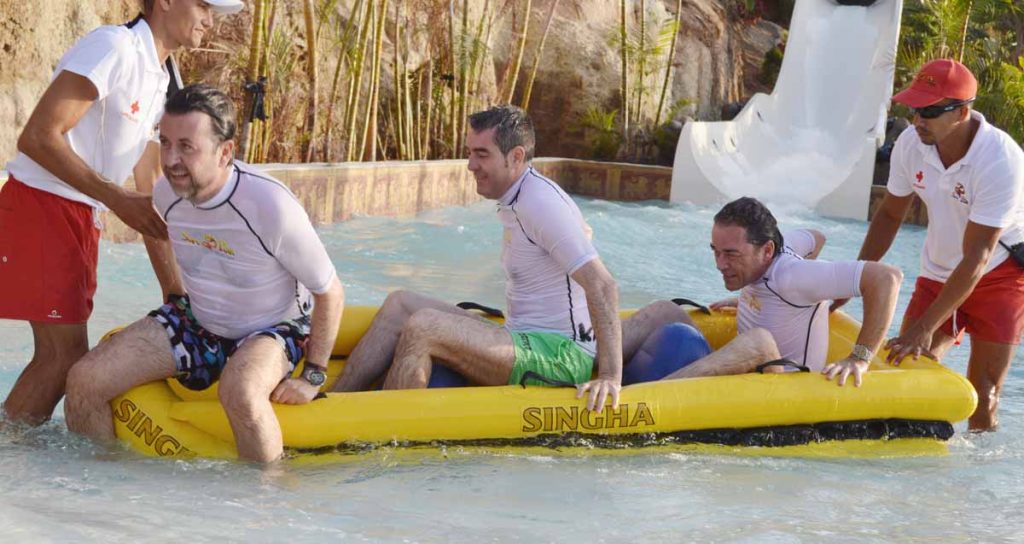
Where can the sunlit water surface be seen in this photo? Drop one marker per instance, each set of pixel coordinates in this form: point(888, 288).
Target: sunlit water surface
point(57, 487)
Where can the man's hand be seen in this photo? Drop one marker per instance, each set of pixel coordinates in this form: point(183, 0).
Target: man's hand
point(599, 391)
point(137, 211)
point(914, 341)
point(845, 367)
point(294, 391)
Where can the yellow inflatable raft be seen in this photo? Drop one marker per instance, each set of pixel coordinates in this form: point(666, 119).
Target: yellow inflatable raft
point(920, 399)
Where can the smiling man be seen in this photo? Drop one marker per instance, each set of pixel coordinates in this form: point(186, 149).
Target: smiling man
point(94, 125)
point(262, 292)
point(782, 308)
point(970, 176)
point(562, 303)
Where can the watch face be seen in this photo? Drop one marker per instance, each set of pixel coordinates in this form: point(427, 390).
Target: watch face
point(315, 377)
point(862, 352)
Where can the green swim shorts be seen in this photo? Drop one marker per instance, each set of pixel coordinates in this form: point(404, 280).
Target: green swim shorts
point(550, 355)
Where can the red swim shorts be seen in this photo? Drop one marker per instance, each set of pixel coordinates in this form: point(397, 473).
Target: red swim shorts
point(48, 253)
point(993, 312)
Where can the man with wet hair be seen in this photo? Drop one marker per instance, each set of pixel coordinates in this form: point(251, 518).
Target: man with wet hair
point(262, 292)
point(562, 303)
point(970, 176)
point(93, 127)
point(785, 291)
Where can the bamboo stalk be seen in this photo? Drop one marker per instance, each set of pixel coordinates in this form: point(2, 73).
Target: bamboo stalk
point(641, 60)
point(308, 141)
point(624, 55)
point(410, 119)
point(963, 32)
point(453, 137)
point(370, 133)
point(464, 60)
point(511, 89)
point(668, 65)
point(251, 74)
point(353, 103)
point(396, 74)
point(425, 149)
point(537, 56)
point(475, 65)
point(336, 81)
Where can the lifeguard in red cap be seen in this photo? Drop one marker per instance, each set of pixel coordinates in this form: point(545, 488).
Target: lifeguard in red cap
point(970, 175)
point(93, 127)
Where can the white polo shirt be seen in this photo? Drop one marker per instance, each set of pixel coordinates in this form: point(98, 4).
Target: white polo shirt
point(131, 83)
point(546, 240)
point(791, 299)
point(249, 256)
point(983, 187)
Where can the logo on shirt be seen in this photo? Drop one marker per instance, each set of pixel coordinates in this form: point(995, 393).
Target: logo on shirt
point(960, 193)
point(209, 242)
point(920, 180)
point(132, 113)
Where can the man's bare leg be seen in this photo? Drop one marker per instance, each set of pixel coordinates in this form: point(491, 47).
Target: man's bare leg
point(139, 354)
point(373, 354)
point(646, 321)
point(41, 385)
point(480, 351)
point(739, 356)
point(986, 369)
point(249, 378)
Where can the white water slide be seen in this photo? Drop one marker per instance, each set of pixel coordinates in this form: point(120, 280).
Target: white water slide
point(811, 143)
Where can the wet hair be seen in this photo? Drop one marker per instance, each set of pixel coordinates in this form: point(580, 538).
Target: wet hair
point(513, 127)
point(754, 216)
point(209, 100)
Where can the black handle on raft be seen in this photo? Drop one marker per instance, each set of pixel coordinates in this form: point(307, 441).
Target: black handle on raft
point(687, 302)
point(320, 395)
point(493, 312)
point(529, 374)
point(783, 363)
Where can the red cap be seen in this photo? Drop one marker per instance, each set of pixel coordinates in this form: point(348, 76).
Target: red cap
point(937, 80)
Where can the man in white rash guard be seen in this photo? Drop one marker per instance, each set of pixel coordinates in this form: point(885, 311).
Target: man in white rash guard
point(784, 291)
point(562, 302)
point(249, 259)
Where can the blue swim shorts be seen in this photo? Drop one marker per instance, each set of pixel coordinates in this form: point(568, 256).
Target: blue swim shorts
point(200, 355)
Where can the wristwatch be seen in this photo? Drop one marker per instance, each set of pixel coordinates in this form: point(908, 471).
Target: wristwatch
point(861, 352)
point(314, 374)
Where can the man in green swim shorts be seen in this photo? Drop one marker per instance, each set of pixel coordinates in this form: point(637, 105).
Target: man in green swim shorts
point(562, 302)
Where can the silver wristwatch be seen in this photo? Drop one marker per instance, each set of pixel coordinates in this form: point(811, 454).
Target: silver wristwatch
point(316, 375)
point(861, 352)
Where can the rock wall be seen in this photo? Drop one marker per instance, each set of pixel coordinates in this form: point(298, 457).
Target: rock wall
point(33, 36)
point(580, 67)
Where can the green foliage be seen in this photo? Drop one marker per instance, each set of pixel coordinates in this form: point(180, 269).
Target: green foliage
point(985, 35)
point(601, 131)
point(771, 66)
point(1002, 97)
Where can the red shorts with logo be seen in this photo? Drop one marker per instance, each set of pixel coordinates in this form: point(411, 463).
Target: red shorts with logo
point(48, 253)
point(993, 312)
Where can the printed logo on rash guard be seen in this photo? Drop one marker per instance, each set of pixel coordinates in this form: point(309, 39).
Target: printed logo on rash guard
point(209, 242)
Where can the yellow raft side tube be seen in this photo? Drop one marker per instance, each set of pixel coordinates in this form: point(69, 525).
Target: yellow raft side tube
point(165, 419)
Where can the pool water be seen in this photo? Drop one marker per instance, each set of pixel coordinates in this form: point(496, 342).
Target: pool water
point(58, 487)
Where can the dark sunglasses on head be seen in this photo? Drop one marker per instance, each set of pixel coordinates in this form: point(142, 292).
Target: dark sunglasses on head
point(931, 112)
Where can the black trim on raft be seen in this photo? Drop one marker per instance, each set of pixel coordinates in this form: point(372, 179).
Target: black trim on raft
point(789, 435)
